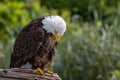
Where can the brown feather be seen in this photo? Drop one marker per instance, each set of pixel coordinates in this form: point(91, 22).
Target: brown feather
point(33, 45)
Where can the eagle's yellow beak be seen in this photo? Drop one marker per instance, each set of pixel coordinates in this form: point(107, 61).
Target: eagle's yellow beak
point(57, 38)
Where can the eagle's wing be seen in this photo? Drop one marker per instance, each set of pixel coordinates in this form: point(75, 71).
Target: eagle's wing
point(26, 45)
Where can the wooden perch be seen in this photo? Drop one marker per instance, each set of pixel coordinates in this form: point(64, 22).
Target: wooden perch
point(25, 74)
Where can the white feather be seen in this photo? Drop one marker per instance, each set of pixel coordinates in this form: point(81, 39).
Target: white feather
point(54, 24)
point(27, 65)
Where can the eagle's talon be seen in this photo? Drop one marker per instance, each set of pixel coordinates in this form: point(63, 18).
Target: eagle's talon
point(49, 72)
point(39, 70)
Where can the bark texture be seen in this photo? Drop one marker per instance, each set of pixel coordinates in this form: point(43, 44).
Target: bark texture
point(25, 74)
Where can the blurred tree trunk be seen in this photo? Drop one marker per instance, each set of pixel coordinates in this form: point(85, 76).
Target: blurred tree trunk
point(25, 74)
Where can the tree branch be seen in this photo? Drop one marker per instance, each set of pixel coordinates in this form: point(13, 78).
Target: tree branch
point(25, 74)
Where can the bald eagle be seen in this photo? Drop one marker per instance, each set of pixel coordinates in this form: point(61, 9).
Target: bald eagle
point(35, 46)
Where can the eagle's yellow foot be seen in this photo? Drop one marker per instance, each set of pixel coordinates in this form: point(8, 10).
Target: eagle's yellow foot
point(50, 72)
point(39, 70)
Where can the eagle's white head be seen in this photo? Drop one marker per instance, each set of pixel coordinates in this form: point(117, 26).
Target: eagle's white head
point(55, 25)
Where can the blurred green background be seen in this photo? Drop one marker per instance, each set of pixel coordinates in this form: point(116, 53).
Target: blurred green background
point(90, 48)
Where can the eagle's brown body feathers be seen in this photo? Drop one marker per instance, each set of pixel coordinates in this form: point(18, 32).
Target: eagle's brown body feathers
point(33, 45)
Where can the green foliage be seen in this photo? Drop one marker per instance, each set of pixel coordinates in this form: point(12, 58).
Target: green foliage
point(88, 10)
point(89, 50)
point(117, 73)
point(91, 53)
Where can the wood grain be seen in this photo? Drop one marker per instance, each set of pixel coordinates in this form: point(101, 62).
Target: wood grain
point(25, 74)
